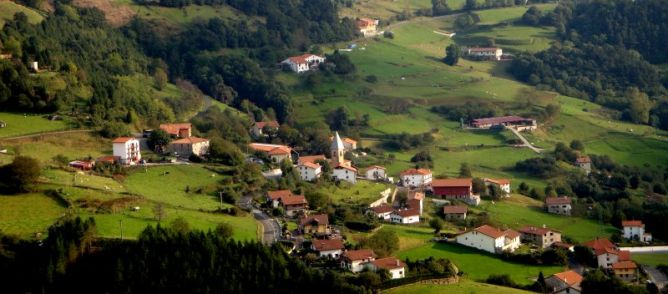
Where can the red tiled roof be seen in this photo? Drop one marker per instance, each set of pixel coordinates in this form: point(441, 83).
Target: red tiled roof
point(413, 203)
point(310, 165)
point(301, 59)
point(563, 245)
point(123, 139)
point(632, 223)
point(365, 22)
point(599, 244)
point(321, 219)
point(270, 149)
point(310, 158)
point(362, 254)
point(608, 250)
point(384, 208)
point(535, 230)
point(109, 158)
point(350, 168)
point(489, 231)
point(408, 212)
point(416, 195)
point(499, 120)
point(558, 200)
point(190, 140)
point(327, 245)
point(375, 166)
point(452, 182)
point(293, 200)
point(498, 181)
point(413, 171)
point(173, 129)
point(512, 234)
point(624, 265)
point(348, 140)
point(455, 209)
point(278, 194)
point(583, 159)
point(388, 263)
point(569, 277)
point(483, 49)
point(623, 255)
point(271, 124)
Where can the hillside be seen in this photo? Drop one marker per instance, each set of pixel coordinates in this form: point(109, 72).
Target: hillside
point(9, 8)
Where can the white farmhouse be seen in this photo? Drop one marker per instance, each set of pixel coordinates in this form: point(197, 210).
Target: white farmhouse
point(127, 150)
point(492, 53)
point(376, 173)
point(635, 230)
point(503, 184)
point(303, 63)
point(382, 211)
point(416, 177)
point(345, 173)
point(277, 153)
point(328, 248)
point(490, 239)
point(355, 260)
point(406, 216)
point(394, 266)
point(309, 171)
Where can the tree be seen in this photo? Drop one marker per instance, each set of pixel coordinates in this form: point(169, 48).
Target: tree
point(465, 170)
point(180, 225)
point(160, 78)
point(225, 152)
point(639, 107)
point(541, 282)
point(158, 139)
point(383, 242)
point(452, 54)
point(439, 7)
point(224, 230)
point(159, 212)
point(577, 145)
point(436, 224)
point(532, 16)
point(20, 175)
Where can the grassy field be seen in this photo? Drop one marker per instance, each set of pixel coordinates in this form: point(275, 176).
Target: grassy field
point(478, 265)
point(26, 214)
point(464, 286)
point(72, 146)
point(9, 8)
point(385, 9)
point(19, 124)
point(653, 259)
point(363, 192)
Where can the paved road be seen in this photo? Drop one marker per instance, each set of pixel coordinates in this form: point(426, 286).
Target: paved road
point(271, 229)
point(656, 276)
point(525, 141)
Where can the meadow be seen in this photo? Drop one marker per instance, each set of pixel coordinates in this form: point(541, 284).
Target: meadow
point(25, 215)
point(465, 286)
point(652, 259)
point(19, 124)
point(363, 192)
point(9, 8)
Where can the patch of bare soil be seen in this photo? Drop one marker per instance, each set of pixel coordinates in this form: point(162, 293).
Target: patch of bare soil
point(116, 15)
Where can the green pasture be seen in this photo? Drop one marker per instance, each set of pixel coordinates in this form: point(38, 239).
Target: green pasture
point(363, 192)
point(465, 286)
point(19, 124)
point(175, 16)
point(26, 214)
point(72, 146)
point(652, 259)
point(8, 9)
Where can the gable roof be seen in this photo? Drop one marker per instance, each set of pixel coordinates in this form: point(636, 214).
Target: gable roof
point(173, 129)
point(489, 231)
point(375, 167)
point(301, 59)
point(510, 233)
point(310, 158)
point(633, 223)
point(531, 230)
point(414, 171)
point(558, 200)
point(583, 159)
point(416, 195)
point(271, 124)
point(484, 49)
point(599, 244)
point(327, 245)
point(383, 208)
point(310, 165)
point(498, 181)
point(350, 168)
point(499, 119)
point(362, 254)
point(320, 219)
point(388, 263)
point(123, 139)
point(278, 194)
point(468, 182)
point(571, 278)
point(270, 149)
point(455, 209)
point(413, 203)
point(407, 212)
point(190, 140)
point(293, 200)
point(627, 264)
point(365, 22)
point(349, 141)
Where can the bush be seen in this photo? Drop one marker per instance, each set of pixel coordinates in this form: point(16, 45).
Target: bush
point(501, 280)
point(361, 226)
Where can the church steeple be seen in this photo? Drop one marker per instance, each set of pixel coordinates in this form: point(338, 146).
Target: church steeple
point(337, 149)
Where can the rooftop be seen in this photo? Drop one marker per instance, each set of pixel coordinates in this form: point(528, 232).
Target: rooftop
point(414, 171)
point(599, 244)
point(301, 59)
point(498, 181)
point(558, 200)
point(388, 263)
point(535, 230)
point(174, 129)
point(327, 245)
point(190, 140)
point(452, 182)
point(632, 223)
point(383, 208)
point(361, 254)
point(408, 212)
point(320, 219)
point(310, 158)
point(569, 277)
point(455, 209)
point(627, 264)
point(271, 149)
point(293, 200)
point(278, 194)
point(123, 139)
point(271, 124)
point(500, 120)
point(583, 159)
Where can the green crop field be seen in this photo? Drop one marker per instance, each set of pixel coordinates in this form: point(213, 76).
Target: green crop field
point(652, 259)
point(9, 8)
point(26, 214)
point(519, 211)
point(20, 124)
point(478, 265)
point(464, 286)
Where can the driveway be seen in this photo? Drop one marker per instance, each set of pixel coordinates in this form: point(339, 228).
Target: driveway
point(524, 140)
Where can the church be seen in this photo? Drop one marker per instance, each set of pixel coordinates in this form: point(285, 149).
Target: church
point(342, 169)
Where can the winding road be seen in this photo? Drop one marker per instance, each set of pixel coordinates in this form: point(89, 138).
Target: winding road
point(271, 229)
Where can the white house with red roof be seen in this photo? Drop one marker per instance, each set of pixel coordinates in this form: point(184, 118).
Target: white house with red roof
point(309, 171)
point(127, 150)
point(516, 122)
point(382, 211)
point(607, 253)
point(179, 130)
point(405, 216)
point(584, 163)
point(345, 173)
point(185, 147)
point(376, 173)
point(277, 153)
point(291, 203)
point(558, 205)
point(394, 266)
point(416, 177)
point(635, 230)
point(368, 27)
point(303, 63)
point(355, 260)
point(567, 282)
point(490, 239)
point(542, 237)
point(503, 184)
point(494, 53)
point(258, 128)
point(328, 248)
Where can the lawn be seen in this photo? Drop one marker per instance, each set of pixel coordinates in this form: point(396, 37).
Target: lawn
point(478, 265)
point(20, 124)
point(519, 211)
point(176, 185)
point(364, 192)
point(26, 214)
point(652, 259)
point(9, 8)
point(464, 286)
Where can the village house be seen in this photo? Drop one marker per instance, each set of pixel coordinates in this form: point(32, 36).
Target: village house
point(315, 224)
point(179, 130)
point(345, 173)
point(584, 163)
point(376, 173)
point(310, 158)
point(309, 171)
point(382, 211)
point(558, 205)
point(331, 248)
point(456, 189)
point(541, 237)
point(342, 169)
point(626, 271)
point(416, 177)
point(503, 184)
point(294, 205)
point(82, 164)
point(394, 266)
point(607, 253)
point(415, 199)
point(487, 53)
point(635, 230)
point(277, 153)
point(273, 197)
point(127, 149)
point(567, 282)
point(367, 26)
point(455, 212)
point(303, 63)
point(258, 128)
point(516, 122)
point(109, 159)
point(355, 260)
point(405, 216)
point(490, 239)
point(185, 147)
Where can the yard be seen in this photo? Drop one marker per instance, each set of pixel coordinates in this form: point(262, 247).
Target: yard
point(652, 259)
point(465, 286)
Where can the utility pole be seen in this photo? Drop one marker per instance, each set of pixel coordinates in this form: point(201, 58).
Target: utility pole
point(121, 224)
point(220, 195)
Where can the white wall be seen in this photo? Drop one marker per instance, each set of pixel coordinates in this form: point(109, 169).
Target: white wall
point(343, 174)
point(480, 241)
